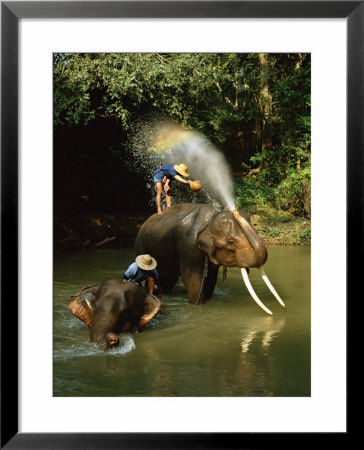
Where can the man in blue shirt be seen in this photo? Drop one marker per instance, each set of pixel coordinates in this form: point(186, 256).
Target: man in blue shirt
point(143, 269)
point(165, 174)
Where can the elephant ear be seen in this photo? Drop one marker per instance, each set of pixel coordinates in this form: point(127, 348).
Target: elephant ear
point(151, 307)
point(206, 244)
point(83, 304)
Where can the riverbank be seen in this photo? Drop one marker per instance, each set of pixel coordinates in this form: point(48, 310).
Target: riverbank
point(282, 229)
point(86, 231)
point(95, 230)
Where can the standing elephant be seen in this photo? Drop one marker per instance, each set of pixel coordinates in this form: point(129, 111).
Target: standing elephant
point(192, 240)
point(113, 307)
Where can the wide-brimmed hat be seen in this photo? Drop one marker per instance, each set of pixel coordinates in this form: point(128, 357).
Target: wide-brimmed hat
point(146, 262)
point(182, 169)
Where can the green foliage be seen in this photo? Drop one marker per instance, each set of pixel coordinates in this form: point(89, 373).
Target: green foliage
point(302, 237)
point(207, 92)
point(294, 192)
point(252, 194)
point(217, 94)
point(274, 232)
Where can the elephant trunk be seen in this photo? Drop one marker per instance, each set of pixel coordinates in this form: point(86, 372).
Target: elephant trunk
point(101, 332)
point(260, 251)
point(261, 255)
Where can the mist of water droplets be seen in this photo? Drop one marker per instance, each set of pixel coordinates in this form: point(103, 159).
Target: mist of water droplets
point(156, 142)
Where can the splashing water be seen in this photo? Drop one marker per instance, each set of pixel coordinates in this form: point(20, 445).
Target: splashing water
point(84, 349)
point(166, 143)
point(208, 165)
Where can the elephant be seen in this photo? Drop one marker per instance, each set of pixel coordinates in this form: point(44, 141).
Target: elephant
point(113, 307)
point(192, 240)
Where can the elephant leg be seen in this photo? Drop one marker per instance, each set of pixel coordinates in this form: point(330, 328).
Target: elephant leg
point(192, 277)
point(210, 281)
point(168, 281)
point(192, 283)
point(199, 281)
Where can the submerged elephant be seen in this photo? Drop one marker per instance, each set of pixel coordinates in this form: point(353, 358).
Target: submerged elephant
point(113, 307)
point(193, 240)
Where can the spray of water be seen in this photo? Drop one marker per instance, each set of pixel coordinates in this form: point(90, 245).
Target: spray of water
point(207, 164)
point(160, 142)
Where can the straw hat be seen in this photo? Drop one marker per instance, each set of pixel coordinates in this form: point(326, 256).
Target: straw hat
point(146, 262)
point(182, 169)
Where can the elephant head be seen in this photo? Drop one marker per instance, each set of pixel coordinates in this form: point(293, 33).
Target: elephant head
point(127, 308)
point(230, 240)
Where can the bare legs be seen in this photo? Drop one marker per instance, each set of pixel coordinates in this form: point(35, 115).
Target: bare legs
point(167, 191)
point(158, 187)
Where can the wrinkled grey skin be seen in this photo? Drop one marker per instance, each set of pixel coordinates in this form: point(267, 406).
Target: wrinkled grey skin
point(113, 307)
point(189, 235)
point(118, 307)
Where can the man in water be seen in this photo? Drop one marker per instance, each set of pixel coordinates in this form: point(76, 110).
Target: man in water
point(143, 269)
point(165, 174)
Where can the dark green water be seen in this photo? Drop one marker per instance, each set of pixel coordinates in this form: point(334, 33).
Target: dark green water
point(226, 347)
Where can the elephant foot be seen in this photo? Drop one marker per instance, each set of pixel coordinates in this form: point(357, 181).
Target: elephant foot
point(81, 310)
point(151, 308)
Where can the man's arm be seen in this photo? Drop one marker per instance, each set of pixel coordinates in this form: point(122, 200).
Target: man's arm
point(156, 281)
point(129, 273)
point(167, 187)
point(182, 180)
point(150, 284)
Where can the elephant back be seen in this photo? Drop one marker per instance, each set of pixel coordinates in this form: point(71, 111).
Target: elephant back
point(160, 234)
point(165, 226)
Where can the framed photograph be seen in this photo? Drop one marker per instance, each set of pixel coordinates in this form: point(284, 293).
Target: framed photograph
point(245, 376)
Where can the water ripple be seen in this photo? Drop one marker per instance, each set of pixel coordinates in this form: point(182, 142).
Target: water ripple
point(127, 344)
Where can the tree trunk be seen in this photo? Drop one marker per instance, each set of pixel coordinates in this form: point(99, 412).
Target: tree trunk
point(266, 102)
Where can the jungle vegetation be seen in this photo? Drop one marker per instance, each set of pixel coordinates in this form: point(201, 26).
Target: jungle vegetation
point(254, 107)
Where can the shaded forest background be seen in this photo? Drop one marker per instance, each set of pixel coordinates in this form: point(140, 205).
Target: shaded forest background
point(255, 108)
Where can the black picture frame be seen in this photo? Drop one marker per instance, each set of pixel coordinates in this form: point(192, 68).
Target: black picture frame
point(11, 12)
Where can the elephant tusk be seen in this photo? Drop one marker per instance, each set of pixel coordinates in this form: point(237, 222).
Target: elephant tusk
point(270, 287)
point(251, 291)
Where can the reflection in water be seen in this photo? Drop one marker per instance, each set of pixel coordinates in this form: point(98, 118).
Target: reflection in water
point(111, 364)
point(162, 383)
point(269, 327)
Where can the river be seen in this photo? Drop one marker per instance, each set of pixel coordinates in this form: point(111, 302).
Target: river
point(226, 347)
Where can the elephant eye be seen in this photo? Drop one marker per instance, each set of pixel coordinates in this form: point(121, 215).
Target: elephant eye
point(231, 241)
